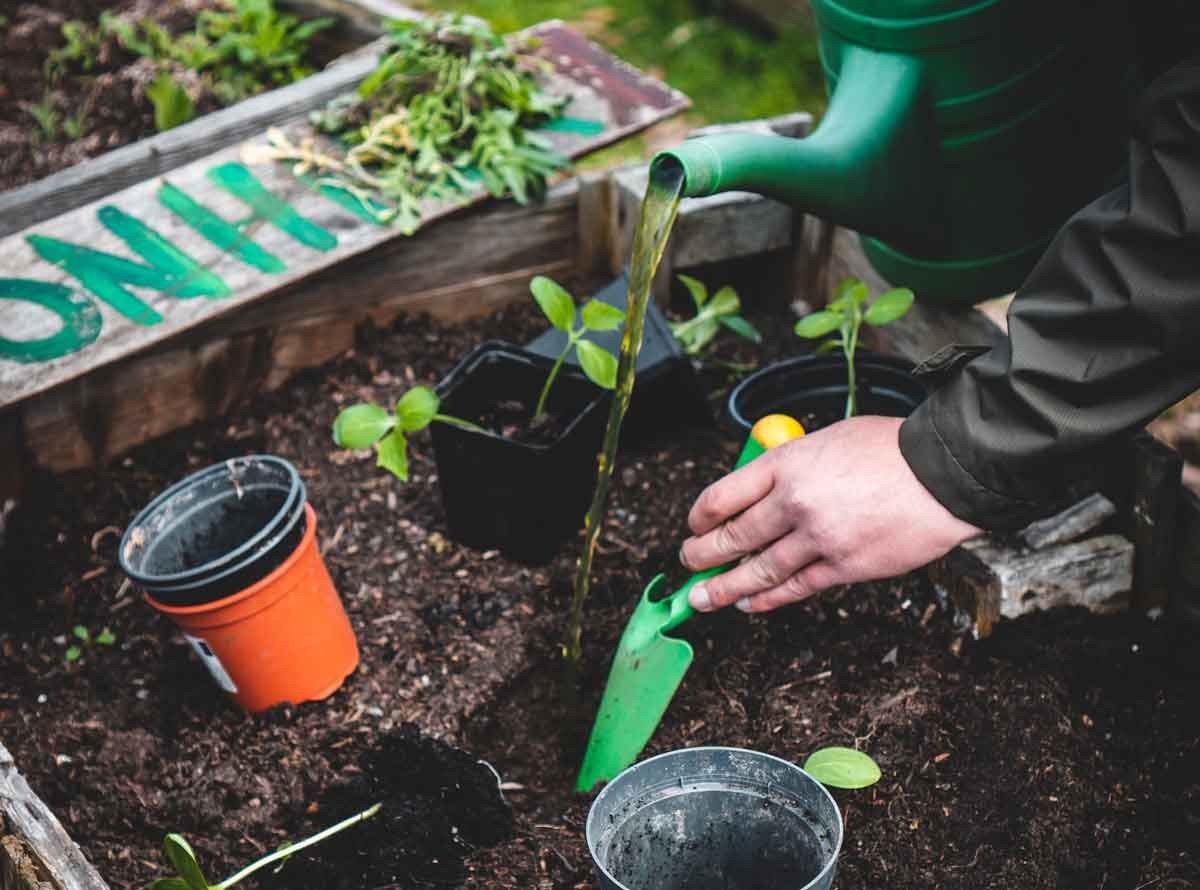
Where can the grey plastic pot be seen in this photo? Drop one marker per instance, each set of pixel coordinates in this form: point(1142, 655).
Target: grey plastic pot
point(714, 819)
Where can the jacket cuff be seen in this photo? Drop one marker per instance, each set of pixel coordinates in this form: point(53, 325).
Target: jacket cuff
point(935, 465)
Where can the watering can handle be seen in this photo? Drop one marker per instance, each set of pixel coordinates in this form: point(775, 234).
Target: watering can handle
point(770, 431)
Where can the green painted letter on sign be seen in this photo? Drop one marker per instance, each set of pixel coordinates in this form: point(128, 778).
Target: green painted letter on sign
point(80, 320)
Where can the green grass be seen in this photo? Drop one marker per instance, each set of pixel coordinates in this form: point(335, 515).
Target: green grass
point(729, 72)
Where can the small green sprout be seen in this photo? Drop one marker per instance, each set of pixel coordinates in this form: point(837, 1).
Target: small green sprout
point(172, 105)
point(86, 641)
point(846, 315)
point(559, 307)
point(723, 310)
point(842, 768)
point(367, 424)
point(179, 853)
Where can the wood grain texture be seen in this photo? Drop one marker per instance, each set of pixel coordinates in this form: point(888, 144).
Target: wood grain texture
point(1070, 524)
point(45, 858)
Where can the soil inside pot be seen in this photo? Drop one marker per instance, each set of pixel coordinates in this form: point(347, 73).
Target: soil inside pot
point(513, 419)
point(1063, 752)
point(231, 524)
point(49, 123)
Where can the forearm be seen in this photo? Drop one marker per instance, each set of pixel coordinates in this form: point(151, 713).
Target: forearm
point(1103, 336)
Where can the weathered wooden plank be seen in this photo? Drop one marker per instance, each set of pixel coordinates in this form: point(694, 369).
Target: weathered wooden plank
point(1069, 525)
point(1157, 475)
point(46, 858)
point(992, 581)
point(612, 99)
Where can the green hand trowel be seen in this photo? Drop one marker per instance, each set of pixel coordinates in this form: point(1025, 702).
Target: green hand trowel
point(649, 666)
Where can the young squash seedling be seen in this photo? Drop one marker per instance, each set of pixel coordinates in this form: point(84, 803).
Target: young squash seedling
point(846, 315)
point(367, 424)
point(179, 853)
point(597, 363)
point(723, 310)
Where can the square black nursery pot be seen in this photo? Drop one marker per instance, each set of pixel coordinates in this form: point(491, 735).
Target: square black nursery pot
point(522, 499)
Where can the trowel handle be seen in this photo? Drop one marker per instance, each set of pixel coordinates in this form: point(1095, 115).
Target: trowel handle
point(772, 430)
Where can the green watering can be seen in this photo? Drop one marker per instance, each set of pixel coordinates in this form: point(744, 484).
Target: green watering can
point(649, 665)
point(960, 134)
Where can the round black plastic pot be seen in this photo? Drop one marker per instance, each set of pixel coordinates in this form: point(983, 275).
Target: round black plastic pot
point(216, 532)
point(816, 385)
point(522, 499)
point(714, 819)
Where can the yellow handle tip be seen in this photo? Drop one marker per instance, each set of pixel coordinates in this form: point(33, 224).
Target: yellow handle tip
point(775, 429)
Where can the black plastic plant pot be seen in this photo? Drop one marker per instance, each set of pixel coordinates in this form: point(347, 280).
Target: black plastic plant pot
point(216, 532)
point(520, 498)
point(815, 386)
point(714, 819)
point(667, 393)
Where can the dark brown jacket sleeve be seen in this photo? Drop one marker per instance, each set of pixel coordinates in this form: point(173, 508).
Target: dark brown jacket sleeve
point(1103, 335)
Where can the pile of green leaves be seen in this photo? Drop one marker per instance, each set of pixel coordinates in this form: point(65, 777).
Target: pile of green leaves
point(450, 104)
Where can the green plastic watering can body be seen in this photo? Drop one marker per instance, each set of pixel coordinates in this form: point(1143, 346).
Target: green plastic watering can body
point(959, 135)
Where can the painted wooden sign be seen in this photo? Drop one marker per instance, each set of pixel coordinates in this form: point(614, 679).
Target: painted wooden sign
point(117, 276)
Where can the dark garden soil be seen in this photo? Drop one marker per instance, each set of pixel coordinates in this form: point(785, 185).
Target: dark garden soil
point(1063, 752)
point(87, 108)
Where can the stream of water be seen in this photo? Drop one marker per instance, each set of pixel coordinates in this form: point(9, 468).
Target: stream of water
point(659, 208)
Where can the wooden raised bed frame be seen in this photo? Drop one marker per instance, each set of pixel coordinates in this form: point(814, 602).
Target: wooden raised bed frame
point(584, 228)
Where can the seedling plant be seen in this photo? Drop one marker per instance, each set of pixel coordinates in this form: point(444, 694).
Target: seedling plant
point(845, 315)
point(723, 309)
point(179, 853)
point(85, 641)
point(847, 768)
point(365, 424)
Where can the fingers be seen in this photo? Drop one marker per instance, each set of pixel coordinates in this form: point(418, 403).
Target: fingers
point(753, 530)
point(731, 495)
point(765, 571)
point(811, 580)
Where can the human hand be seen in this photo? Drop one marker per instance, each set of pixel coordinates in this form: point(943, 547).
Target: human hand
point(837, 506)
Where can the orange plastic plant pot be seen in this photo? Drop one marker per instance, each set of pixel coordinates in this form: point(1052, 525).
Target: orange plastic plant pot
point(285, 639)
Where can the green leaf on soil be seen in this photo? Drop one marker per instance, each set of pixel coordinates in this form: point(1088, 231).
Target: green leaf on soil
point(73, 653)
point(599, 365)
point(556, 303)
point(81, 633)
point(416, 408)
point(697, 289)
point(889, 307)
point(818, 324)
point(106, 637)
point(361, 426)
point(599, 316)
point(739, 325)
point(393, 454)
point(179, 853)
point(842, 768)
point(725, 302)
point(172, 105)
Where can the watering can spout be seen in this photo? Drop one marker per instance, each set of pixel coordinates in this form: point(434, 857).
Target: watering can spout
point(862, 167)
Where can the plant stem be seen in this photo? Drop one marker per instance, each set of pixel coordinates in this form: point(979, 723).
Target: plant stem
point(460, 423)
point(541, 402)
point(297, 847)
point(851, 346)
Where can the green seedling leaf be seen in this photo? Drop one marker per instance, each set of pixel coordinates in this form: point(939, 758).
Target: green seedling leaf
point(179, 853)
point(81, 633)
point(169, 884)
point(73, 653)
point(172, 105)
point(361, 426)
point(393, 454)
point(106, 637)
point(599, 316)
point(818, 324)
point(555, 302)
point(743, 328)
point(889, 307)
point(829, 346)
point(697, 289)
point(599, 365)
point(842, 768)
point(416, 408)
point(725, 302)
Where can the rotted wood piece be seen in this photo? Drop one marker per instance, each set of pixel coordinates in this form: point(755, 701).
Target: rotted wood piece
point(35, 851)
point(1069, 525)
